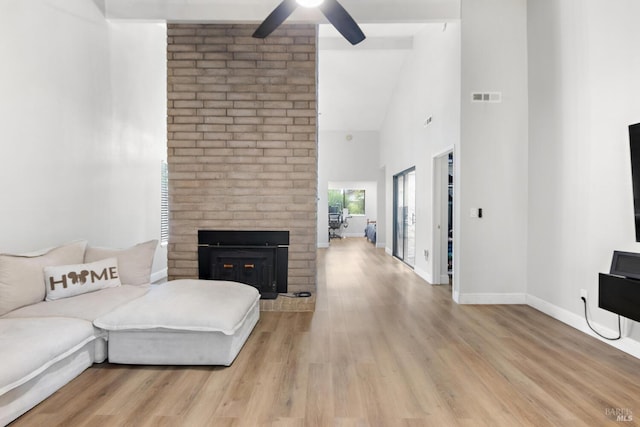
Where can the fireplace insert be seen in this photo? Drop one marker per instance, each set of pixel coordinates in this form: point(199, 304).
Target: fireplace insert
point(257, 258)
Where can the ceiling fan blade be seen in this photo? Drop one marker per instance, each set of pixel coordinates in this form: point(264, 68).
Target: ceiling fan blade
point(275, 18)
point(344, 23)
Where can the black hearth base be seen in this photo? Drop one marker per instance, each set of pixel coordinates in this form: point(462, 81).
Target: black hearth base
point(268, 295)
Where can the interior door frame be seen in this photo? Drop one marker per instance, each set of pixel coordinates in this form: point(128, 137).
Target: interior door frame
point(440, 168)
point(404, 173)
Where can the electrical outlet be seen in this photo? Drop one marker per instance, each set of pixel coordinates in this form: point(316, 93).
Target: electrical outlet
point(426, 255)
point(584, 294)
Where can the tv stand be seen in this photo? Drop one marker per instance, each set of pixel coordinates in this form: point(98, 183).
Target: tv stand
point(620, 295)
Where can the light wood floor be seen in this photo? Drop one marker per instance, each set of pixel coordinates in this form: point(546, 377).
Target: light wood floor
point(383, 348)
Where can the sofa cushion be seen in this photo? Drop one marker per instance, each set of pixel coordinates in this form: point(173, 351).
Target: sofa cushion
point(30, 346)
point(189, 305)
point(86, 306)
point(65, 281)
point(21, 280)
point(134, 263)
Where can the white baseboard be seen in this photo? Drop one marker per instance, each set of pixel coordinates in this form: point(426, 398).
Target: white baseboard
point(456, 296)
point(628, 345)
point(389, 251)
point(380, 245)
point(424, 275)
point(159, 275)
point(323, 245)
point(492, 299)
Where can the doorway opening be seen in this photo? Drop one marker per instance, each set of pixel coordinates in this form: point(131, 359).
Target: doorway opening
point(404, 216)
point(443, 214)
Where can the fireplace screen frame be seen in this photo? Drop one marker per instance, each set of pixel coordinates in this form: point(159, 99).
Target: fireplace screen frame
point(220, 258)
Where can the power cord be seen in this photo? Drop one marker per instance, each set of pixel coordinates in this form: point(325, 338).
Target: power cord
point(584, 300)
point(301, 294)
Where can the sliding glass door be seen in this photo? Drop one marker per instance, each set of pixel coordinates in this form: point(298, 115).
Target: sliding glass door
point(404, 216)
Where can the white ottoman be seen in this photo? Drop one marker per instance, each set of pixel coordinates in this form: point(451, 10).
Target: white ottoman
point(183, 322)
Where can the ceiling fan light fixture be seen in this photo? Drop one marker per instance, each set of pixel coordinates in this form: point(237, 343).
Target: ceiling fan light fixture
point(309, 3)
point(331, 9)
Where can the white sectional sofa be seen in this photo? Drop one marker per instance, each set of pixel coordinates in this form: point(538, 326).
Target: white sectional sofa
point(63, 309)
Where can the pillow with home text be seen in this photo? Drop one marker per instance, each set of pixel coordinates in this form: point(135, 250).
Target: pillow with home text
point(65, 281)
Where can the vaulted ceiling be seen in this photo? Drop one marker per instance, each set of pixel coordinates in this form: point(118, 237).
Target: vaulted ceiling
point(364, 11)
point(355, 82)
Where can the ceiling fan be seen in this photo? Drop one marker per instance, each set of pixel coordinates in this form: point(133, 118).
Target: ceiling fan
point(335, 13)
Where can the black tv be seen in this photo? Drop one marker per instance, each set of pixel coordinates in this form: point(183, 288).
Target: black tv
point(634, 142)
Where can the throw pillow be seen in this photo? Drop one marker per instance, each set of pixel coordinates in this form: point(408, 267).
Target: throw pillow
point(134, 263)
point(68, 280)
point(21, 275)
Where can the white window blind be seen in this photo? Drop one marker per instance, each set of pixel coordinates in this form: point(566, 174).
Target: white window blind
point(164, 203)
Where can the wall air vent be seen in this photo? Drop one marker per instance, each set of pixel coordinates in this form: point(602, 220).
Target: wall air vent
point(493, 97)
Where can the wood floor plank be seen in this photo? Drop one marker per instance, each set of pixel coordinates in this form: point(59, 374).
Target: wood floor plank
point(319, 410)
point(239, 389)
point(380, 409)
point(347, 399)
point(289, 400)
point(259, 410)
point(383, 348)
point(187, 385)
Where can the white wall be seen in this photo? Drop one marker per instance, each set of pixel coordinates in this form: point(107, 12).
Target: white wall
point(342, 160)
point(429, 86)
point(584, 65)
point(490, 253)
point(83, 126)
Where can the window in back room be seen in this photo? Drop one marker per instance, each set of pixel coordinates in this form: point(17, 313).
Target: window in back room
point(351, 199)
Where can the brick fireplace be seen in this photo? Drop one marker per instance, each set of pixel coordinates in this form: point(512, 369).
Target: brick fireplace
point(242, 150)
